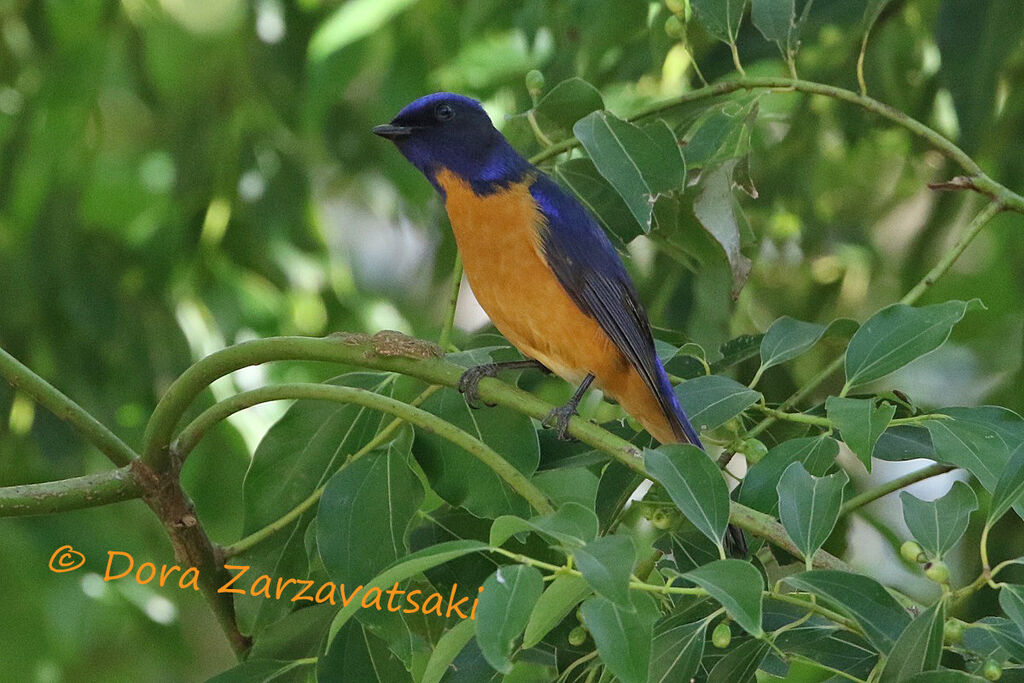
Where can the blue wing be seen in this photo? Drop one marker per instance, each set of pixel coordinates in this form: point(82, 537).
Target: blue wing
point(591, 272)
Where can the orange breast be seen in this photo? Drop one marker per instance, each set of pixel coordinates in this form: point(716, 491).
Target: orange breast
point(498, 236)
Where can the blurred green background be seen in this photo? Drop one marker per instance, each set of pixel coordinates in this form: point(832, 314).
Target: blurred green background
point(178, 175)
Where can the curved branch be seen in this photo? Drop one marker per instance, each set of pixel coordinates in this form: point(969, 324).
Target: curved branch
point(75, 493)
point(862, 499)
point(981, 181)
point(51, 398)
point(380, 353)
point(385, 404)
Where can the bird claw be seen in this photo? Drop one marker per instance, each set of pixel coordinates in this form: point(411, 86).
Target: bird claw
point(558, 419)
point(469, 384)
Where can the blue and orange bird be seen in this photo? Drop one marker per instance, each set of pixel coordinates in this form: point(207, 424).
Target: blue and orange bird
point(539, 265)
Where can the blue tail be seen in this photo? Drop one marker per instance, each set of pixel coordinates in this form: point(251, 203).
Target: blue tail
point(670, 404)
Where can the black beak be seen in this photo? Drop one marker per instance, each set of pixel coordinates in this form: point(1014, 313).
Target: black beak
point(392, 132)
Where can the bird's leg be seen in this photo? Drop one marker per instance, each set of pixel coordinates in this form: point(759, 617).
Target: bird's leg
point(560, 416)
point(470, 381)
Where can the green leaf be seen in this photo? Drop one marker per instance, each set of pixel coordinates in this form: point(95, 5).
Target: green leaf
point(623, 636)
point(737, 586)
point(972, 74)
point(607, 563)
point(1010, 488)
point(357, 654)
point(787, 338)
point(945, 676)
point(364, 513)
point(640, 163)
point(506, 601)
point(572, 524)
point(257, 671)
point(899, 334)
point(351, 22)
point(581, 177)
point(447, 649)
point(740, 665)
point(862, 599)
point(458, 477)
point(809, 506)
point(1011, 600)
point(695, 485)
point(904, 442)
point(860, 423)
point(872, 9)
point(411, 565)
point(816, 453)
point(676, 653)
point(918, 648)
point(564, 105)
point(713, 400)
point(974, 445)
point(305, 447)
point(778, 22)
point(557, 601)
point(938, 524)
point(718, 212)
point(720, 18)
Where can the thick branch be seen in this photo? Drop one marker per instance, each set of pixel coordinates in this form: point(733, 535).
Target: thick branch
point(91, 490)
point(378, 353)
point(48, 396)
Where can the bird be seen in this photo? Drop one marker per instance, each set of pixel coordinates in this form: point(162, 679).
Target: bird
point(540, 266)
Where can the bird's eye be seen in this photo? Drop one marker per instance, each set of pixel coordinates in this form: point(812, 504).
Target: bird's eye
point(444, 112)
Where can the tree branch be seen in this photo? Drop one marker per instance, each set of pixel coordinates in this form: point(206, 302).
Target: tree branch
point(862, 499)
point(980, 180)
point(91, 490)
point(48, 396)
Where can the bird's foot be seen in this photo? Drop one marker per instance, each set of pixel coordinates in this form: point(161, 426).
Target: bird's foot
point(469, 383)
point(558, 419)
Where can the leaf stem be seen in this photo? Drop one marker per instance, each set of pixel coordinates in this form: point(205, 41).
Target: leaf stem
point(448, 323)
point(23, 379)
point(947, 260)
point(871, 495)
point(75, 493)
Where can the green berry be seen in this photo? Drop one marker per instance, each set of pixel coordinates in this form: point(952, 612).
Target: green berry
point(534, 82)
point(577, 636)
point(937, 571)
point(579, 614)
point(676, 6)
point(952, 631)
point(754, 449)
point(912, 552)
point(721, 636)
point(661, 520)
point(992, 671)
point(674, 28)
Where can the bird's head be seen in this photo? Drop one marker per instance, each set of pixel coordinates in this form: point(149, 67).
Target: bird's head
point(453, 132)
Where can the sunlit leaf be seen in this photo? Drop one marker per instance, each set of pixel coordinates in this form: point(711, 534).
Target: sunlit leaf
point(712, 400)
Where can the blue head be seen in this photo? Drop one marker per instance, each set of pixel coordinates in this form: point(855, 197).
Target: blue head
point(447, 131)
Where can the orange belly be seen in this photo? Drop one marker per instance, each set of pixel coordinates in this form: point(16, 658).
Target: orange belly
point(499, 241)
